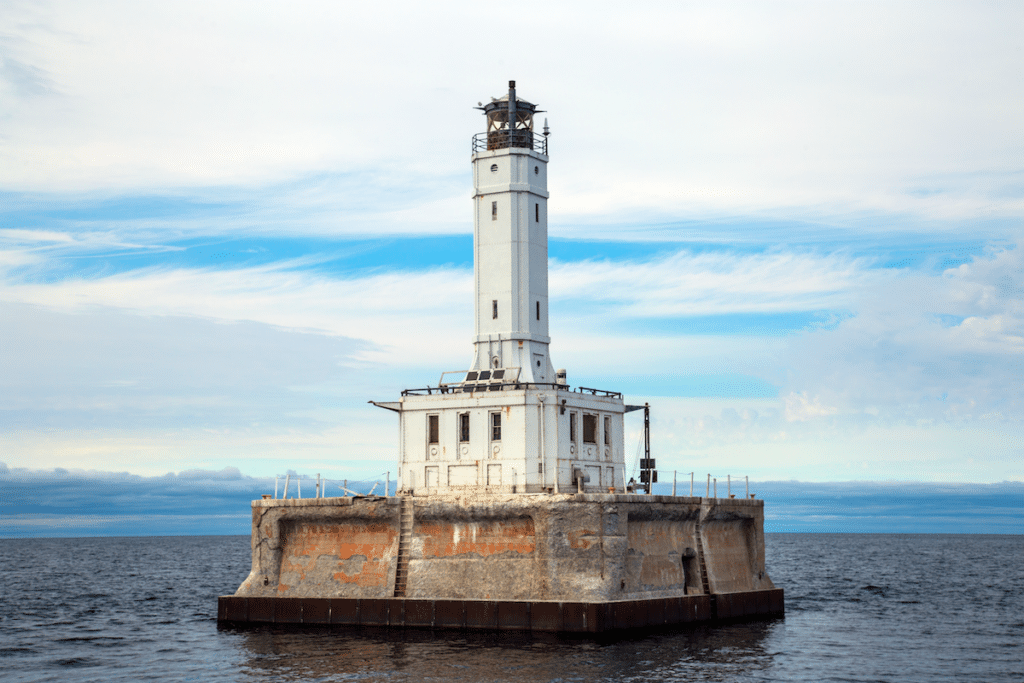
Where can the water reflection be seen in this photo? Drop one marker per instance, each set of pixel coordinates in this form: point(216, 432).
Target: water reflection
point(703, 653)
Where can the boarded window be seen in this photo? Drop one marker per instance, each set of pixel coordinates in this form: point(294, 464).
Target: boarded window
point(464, 428)
point(572, 427)
point(495, 426)
point(433, 433)
point(494, 211)
point(589, 428)
point(607, 431)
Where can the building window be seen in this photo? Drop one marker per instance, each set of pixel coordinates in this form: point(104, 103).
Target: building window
point(495, 426)
point(536, 212)
point(464, 428)
point(589, 428)
point(538, 310)
point(540, 468)
point(494, 309)
point(536, 170)
point(607, 431)
point(494, 168)
point(572, 427)
point(494, 211)
point(433, 433)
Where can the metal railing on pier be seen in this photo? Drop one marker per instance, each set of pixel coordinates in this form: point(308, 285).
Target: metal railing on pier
point(290, 486)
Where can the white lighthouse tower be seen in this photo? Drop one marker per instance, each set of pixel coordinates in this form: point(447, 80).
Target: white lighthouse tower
point(510, 423)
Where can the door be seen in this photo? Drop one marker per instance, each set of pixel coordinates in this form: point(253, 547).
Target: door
point(494, 475)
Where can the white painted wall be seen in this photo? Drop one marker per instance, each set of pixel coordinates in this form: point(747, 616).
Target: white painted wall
point(511, 262)
point(535, 452)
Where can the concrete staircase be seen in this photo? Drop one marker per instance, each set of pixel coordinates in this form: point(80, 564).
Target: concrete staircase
point(404, 546)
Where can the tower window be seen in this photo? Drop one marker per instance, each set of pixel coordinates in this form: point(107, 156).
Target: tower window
point(432, 429)
point(494, 309)
point(538, 310)
point(536, 170)
point(572, 427)
point(464, 428)
point(495, 426)
point(494, 168)
point(494, 211)
point(536, 212)
point(589, 428)
point(607, 430)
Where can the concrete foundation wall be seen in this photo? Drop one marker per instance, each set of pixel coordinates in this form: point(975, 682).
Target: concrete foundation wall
point(582, 547)
point(338, 547)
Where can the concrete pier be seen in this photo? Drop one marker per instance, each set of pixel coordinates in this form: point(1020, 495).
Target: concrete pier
point(571, 562)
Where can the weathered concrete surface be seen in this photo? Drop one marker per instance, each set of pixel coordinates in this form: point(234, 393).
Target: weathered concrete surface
point(334, 547)
point(512, 548)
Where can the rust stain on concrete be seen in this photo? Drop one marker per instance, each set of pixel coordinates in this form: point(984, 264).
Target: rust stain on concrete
point(448, 539)
point(582, 539)
point(374, 573)
point(356, 550)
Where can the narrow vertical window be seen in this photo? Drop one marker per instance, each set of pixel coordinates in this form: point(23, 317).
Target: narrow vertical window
point(607, 431)
point(536, 212)
point(494, 309)
point(464, 428)
point(494, 211)
point(538, 310)
point(432, 431)
point(589, 428)
point(572, 427)
point(495, 426)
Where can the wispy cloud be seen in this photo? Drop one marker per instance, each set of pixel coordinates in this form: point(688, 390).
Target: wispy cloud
point(742, 110)
point(221, 246)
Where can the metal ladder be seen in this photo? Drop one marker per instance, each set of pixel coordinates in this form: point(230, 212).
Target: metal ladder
point(704, 584)
point(404, 545)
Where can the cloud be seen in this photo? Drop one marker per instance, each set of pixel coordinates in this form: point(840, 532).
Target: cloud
point(686, 283)
point(794, 162)
point(70, 503)
point(119, 369)
point(825, 110)
point(63, 503)
point(920, 347)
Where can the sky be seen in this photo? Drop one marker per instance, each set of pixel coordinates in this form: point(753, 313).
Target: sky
point(792, 227)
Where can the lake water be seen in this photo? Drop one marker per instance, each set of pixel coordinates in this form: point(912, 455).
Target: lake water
point(858, 608)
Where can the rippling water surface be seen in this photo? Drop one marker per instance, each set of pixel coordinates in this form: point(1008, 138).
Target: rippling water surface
point(858, 608)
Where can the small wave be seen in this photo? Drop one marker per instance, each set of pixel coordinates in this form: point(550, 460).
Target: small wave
point(75, 662)
point(85, 639)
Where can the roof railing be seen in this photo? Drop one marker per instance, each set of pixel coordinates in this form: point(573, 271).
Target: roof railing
point(475, 387)
point(500, 139)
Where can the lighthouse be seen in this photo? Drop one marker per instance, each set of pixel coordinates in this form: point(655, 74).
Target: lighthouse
point(512, 509)
point(510, 423)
